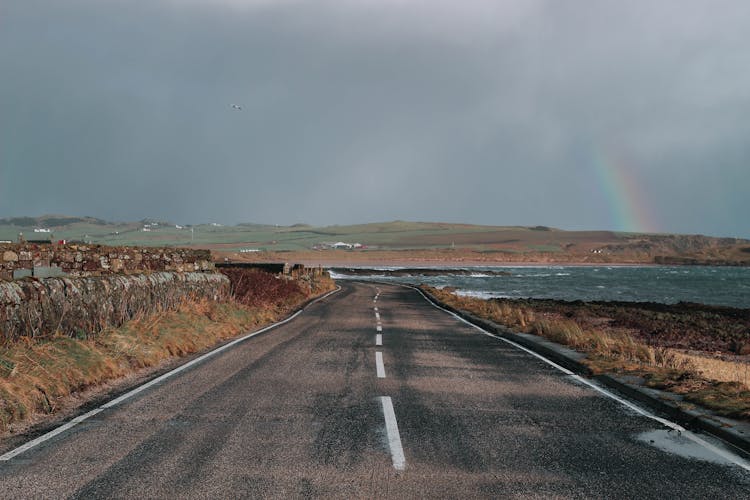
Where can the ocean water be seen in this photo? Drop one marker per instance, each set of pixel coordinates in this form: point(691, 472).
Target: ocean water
point(728, 286)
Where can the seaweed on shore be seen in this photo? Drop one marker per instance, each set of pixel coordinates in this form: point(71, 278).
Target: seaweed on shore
point(684, 325)
point(417, 271)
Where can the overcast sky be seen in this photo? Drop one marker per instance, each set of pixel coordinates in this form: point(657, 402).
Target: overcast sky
point(626, 115)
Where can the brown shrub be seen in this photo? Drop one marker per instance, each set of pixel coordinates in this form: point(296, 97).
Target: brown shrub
point(253, 287)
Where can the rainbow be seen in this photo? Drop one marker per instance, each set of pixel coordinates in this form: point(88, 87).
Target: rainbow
point(618, 181)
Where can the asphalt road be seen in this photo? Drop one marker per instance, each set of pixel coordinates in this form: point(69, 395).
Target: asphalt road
point(301, 411)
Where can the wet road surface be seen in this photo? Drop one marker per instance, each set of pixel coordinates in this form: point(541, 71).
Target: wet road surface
point(310, 409)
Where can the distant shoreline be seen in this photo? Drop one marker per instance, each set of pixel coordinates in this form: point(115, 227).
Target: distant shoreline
point(451, 266)
point(438, 265)
point(459, 259)
point(413, 271)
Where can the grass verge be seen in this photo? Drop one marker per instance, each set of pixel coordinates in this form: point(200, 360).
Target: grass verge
point(720, 385)
point(36, 375)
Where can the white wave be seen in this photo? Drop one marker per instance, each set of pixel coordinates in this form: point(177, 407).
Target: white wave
point(481, 295)
point(344, 276)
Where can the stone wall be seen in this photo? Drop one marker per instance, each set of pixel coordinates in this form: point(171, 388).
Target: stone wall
point(279, 268)
point(84, 306)
point(19, 260)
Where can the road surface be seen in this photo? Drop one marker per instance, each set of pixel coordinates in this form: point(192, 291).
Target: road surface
point(373, 398)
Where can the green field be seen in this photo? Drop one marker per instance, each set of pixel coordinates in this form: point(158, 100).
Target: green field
point(390, 235)
point(528, 243)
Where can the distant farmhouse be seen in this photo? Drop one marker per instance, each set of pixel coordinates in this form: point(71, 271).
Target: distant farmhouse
point(339, 245)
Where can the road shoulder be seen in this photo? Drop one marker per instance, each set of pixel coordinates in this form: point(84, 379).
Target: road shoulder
point(733, 432)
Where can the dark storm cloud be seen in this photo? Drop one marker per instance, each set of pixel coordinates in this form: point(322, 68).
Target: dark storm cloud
point(492, 112)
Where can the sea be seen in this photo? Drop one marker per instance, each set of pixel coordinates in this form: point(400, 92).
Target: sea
point(724, 286)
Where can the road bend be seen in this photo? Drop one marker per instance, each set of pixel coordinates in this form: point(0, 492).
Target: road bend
point(372, 393)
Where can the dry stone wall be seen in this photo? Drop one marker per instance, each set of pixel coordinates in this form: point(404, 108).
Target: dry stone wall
point(86, 305)
point(96, 260)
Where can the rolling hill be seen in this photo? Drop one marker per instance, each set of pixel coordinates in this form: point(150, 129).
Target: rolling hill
point(389, 241)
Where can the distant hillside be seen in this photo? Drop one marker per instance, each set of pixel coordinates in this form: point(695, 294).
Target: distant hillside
point(391, 240)
point(51, 221)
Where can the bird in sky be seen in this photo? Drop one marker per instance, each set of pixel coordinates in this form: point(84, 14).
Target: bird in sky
point(237, 107)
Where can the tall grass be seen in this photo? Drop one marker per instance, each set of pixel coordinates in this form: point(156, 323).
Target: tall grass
point(36, 375)
point(598, 342)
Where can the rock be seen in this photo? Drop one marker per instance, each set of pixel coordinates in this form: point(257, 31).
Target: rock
point(90, 265)
point(740, 347)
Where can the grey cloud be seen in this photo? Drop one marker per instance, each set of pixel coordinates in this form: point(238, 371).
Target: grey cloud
point(494, 113)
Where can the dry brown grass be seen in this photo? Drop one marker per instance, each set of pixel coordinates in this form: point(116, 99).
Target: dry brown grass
point(718, 370)
point(36, 374)
point(599, 343)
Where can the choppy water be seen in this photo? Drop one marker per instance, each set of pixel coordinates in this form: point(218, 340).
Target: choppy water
point(728, 286)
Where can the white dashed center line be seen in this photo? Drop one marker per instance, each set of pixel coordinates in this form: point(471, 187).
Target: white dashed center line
point(391, 429)
point(391, 426)
point(379, 364)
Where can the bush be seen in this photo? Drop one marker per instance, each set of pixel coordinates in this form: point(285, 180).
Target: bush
point(256, 288)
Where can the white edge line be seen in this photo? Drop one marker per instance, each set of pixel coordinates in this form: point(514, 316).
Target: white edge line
point(59, 430)
point(378, 339)
point(394, 438)
point(731, 457)
point(379, 367)
point(77, 420)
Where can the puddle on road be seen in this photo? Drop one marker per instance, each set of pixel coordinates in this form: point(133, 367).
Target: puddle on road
point(673, 442)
